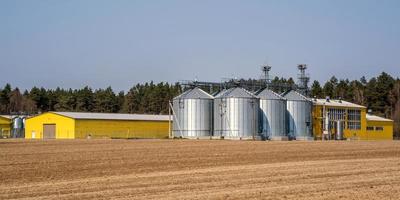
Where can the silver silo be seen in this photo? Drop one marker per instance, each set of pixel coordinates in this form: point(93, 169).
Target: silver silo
point(272, 115)
point(192, 114)
point(17, 123)
point(299, 117)
point(18, 127)
point(236, 114)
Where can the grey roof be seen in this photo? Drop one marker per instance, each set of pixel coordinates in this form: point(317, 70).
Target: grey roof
point(13, 116)
point(235, 92)
point(195, 93)
point(219, 93)
point(114, 116)
point(7, 116)
point(269, 94)
point(293, 95)
point(336, 103)
point(377, 118)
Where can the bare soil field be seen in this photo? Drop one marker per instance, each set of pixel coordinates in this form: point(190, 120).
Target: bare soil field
point(190, 169)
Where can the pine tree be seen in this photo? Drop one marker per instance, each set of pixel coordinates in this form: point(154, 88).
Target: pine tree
point(342, 90)
point(39, 96)
point(121, 100)
point(316, 90)
point(371, 96)
point(105, 101)
point(28, 105)
point(16, 101)
point(384, 85)
point(357, 91)
point(395, 107)
point(5, 99)
point(328, 89)
point(52, 99)
point(84, 100)
point(66, 100)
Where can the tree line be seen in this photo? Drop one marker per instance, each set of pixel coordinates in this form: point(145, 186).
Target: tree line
point(149, 98)
point(380, 94)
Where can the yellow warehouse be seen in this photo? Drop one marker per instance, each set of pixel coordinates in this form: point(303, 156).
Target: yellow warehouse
point(5, 127)
point(74, 125)
point(349, 119)
point(379, 128)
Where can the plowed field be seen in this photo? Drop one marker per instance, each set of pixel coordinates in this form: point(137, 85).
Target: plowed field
point(187, 169)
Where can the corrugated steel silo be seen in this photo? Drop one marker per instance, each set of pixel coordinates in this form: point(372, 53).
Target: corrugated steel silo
point(236, 114)
point(193, 112)
point(299, 116)
point(272, 115)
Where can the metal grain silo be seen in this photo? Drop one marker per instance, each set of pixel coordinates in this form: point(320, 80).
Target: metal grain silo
point(298, 116)
point(17, 127)
point(193, 112)
point(272, 115)
point(236, 114)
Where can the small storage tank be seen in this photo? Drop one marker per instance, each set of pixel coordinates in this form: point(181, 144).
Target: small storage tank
point(298, 116)
point(192, 114)
point(17, 123)
point(236, 114)
point(18, 127)
point(339, 130)
point(23, 122)
point(272, 115)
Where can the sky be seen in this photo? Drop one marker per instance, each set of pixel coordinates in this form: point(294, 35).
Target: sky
point(119, 43)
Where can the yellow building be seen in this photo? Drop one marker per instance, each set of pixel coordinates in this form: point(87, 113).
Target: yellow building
point(379, 128)
point(5, 127)
point(349, 120)
point(71, 125)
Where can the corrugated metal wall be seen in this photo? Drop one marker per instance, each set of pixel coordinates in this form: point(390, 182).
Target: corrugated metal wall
point(68, 128)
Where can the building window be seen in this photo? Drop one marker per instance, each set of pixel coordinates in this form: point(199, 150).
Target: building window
point(354, 119)
point(336, 114)
point(370, 128)
point(354, 115)
point(354, 125)
point(379, 128)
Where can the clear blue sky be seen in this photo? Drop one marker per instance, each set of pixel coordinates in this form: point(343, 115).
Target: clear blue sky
point(73, 43)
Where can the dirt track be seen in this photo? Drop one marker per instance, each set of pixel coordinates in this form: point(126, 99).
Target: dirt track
point(155, 169)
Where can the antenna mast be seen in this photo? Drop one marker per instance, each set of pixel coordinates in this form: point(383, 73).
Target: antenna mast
point(303, 79)
point(266, 69)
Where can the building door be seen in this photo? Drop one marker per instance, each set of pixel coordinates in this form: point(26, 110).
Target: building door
point(49, 131)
